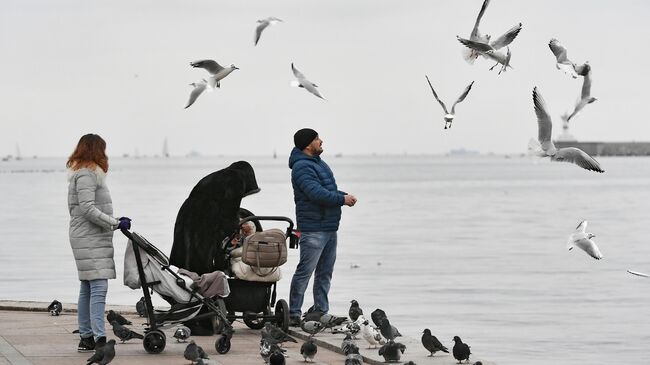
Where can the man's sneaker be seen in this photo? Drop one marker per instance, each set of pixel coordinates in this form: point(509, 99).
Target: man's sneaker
point(87, 344)
point(101, 341)
point(294, 321)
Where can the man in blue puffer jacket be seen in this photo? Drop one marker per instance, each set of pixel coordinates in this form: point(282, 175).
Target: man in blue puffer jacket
point(318, 212)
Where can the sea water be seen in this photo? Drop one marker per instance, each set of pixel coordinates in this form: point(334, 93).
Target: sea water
point(473, 246)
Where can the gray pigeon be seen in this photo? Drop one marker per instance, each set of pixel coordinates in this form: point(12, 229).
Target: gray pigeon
point(355, 311)
point(347, 344)
point(308, 350)
point(104, 354)
point(431, 343)
point(461, 350)
point(274, 335)
point(376, 317)
point(311, 327)
point(410, 363)
point(124, 333)
point(330, 321)
point(191, 352)
point(392, 351)
point(141, 307)
point(388, 330)
point(266, 349)
point(202, 353)
point(114, 316)
point(277, 357)
point(182, 333)
point(353, 357)
point(55, 308)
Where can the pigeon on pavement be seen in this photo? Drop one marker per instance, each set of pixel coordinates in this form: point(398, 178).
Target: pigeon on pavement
point(141, 307)
point(392, 351)
point(355, 311)
point(371, 334)
point(124, 333)
point(388, 330)
point(104, 354)
point(461, 350)
point(55, 308)
point(308, 350)
point(114, 316)
point(431, 343)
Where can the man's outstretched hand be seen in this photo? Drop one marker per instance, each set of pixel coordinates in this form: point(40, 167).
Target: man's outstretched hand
point(350, 200)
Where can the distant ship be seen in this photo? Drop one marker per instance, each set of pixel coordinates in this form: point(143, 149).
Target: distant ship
point(165, 149)
point(602, 148)
point(18, 155)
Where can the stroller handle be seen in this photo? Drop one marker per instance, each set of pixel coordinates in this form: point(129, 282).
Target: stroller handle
point(269, 218)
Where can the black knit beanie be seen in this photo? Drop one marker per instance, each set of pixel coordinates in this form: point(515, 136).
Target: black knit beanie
point(304, 137)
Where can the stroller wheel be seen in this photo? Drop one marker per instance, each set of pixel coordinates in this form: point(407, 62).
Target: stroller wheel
point(154, 342)
point(222, 345)
point(282, 314)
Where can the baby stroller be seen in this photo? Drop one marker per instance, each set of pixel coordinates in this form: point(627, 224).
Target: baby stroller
point(154, 272)
point(254, 296)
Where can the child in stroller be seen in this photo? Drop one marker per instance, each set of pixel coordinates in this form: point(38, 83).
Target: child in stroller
point(253, 289)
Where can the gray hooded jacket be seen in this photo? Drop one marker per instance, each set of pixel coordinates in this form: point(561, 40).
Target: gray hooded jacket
point(91, 224)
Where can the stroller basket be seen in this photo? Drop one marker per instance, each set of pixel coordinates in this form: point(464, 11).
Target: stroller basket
point(186, 302)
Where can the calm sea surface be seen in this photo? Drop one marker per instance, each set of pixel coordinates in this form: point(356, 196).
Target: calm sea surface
point(468, 246)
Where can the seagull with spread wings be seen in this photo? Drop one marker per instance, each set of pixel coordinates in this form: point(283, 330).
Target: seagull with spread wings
point(562, 61)
point(585, 95)
point(582, 239)
point(216, 71)
point(491, 49)
point(449, 116)
point(304, 83)
point(470, 54)
point(262, 24)
point(544, 147)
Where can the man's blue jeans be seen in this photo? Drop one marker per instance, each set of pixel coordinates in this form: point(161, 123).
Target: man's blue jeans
point(317, 252)
point(90, 309)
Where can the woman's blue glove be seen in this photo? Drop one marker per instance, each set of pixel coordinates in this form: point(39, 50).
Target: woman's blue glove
point(125, 223)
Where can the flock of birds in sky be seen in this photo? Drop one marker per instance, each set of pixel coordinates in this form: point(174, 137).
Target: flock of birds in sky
point(478, 45)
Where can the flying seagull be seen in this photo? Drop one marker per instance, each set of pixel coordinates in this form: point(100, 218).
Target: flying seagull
point(639, 274)
point(449, 117)
point(582, 239)
point(470, 55)
point(585, 95)
point(562, 61)
point(544, 146)
point(199, 87)
point(491, 50)
point(304, 83)
point(216, 71)
point(262, 24)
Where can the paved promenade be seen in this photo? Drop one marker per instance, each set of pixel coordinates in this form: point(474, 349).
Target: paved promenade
point(30, 335)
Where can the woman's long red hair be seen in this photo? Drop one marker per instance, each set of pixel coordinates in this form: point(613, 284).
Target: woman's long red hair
point(90, 152)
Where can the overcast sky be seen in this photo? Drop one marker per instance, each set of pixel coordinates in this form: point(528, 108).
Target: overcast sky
point(121, 69)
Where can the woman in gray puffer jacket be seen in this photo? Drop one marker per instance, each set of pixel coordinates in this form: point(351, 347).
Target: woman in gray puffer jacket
point(91, 235)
